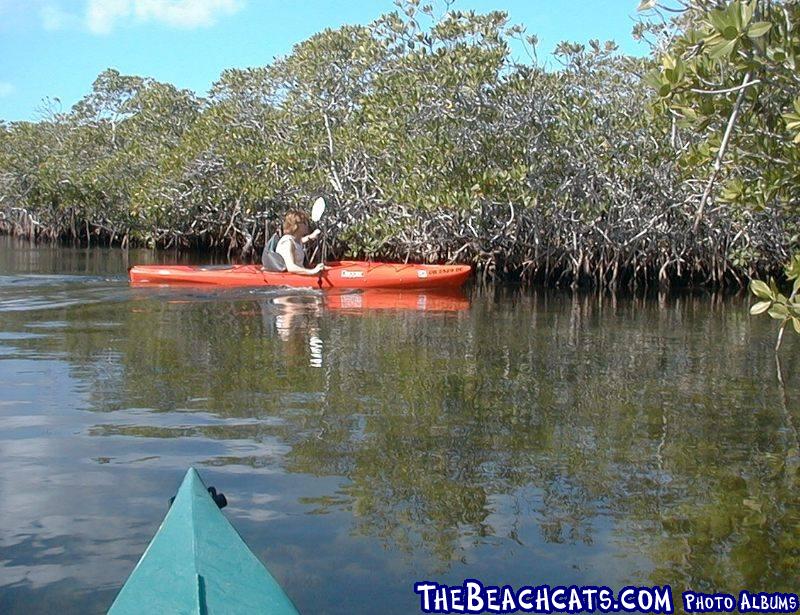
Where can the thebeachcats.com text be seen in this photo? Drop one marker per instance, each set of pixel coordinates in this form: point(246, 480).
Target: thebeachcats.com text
point(473, 597)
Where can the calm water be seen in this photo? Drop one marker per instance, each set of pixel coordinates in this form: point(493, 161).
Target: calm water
point(365, 443)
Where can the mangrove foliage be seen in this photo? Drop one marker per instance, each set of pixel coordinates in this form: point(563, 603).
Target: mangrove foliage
point(441, 135)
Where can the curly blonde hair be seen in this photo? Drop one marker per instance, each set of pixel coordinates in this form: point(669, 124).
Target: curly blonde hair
point(293, 219)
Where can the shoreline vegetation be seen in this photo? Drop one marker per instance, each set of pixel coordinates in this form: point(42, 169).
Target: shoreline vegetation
point(433, 142)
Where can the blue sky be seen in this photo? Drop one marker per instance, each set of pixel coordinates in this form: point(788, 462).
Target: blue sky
point(56, 48)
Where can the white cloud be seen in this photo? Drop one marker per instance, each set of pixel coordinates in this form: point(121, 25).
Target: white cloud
point(103, 15)
point(55, 18)
point(6, 89)
point(184, 13)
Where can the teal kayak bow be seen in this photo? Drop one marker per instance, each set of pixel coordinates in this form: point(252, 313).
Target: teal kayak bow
point(198, 563)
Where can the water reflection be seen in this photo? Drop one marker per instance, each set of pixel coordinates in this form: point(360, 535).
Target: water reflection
point(297, 316)
point(366, 441)
point(361, 301)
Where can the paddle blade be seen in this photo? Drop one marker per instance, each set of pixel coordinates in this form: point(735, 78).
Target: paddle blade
point(318, 209)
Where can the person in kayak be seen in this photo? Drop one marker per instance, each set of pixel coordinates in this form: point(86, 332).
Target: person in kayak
point(291, 246)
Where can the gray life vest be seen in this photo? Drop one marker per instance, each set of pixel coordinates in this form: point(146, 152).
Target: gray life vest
point(270, 259)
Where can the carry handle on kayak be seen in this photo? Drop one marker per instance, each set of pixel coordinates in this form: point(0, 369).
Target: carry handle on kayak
point(219, 498)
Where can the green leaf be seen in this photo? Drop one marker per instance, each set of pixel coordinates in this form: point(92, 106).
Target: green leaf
point(724, 49)
point(653, 79)
point(760, 307)
point(776, 54)
point(747, 11)
point(796, 324)
point(730, 33)
point(758, 29)
point(792, 121)
point(646, 5)
point(719, 20)
point(778, 311)
point(793, 268)
point(761, 290)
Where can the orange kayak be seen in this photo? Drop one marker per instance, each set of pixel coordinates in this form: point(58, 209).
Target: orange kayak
point(340, 274)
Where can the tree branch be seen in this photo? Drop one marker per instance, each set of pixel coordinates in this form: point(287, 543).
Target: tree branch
point(721, 153)
point(728, 90)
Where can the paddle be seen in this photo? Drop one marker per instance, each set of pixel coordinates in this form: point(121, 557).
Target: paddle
point(316, 214)
point(317, 209)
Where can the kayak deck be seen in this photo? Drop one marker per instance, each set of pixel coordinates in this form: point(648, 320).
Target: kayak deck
point(340, 274)
point(198, 563)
